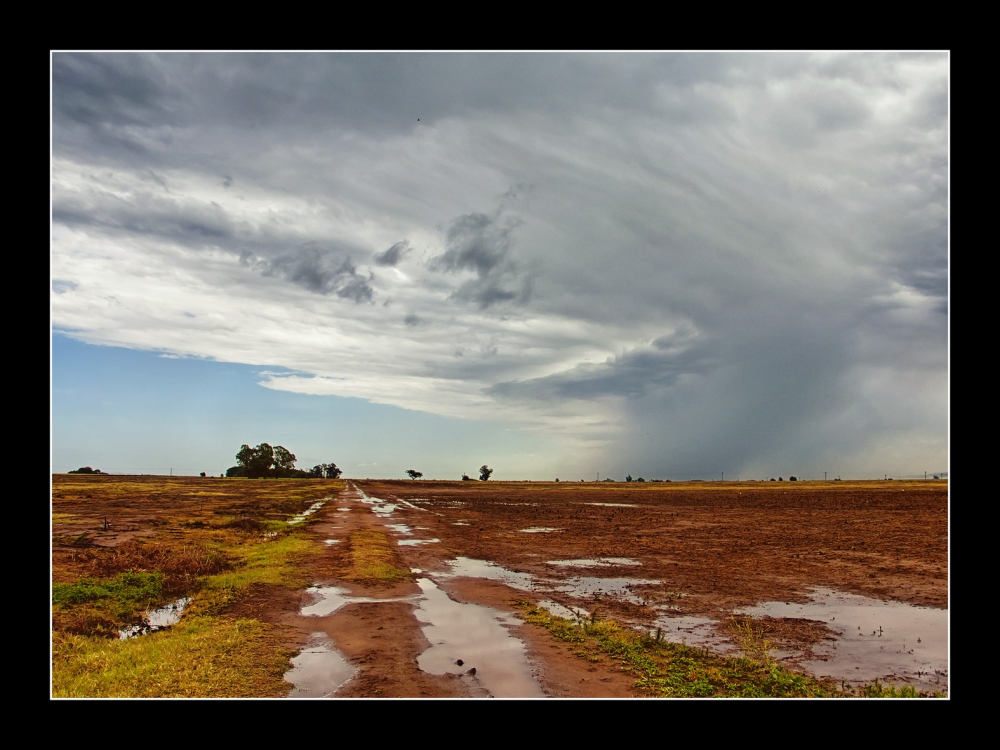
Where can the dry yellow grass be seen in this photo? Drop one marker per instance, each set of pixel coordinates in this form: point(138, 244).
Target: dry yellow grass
point(372, 555)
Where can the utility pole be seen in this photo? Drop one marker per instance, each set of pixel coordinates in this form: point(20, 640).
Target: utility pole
point(824, 476)
point(723, 476)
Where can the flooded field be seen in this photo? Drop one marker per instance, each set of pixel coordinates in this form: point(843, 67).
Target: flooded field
point(436, 588)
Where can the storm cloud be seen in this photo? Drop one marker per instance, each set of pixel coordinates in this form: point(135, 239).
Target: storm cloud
point(672, 264)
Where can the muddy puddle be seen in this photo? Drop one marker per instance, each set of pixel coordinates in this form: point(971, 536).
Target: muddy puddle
point(308, 512)
point(537, 529)
point(614, 505)
point(699, 632)
point(596, 562)
point(328, 599)
point(400, 528)
point(876, 639)
point(471, 639)
point(156, 619)
point(319, 670)
point(415, 542)
point(331, 541)
point(580, 587)
point(567, 613)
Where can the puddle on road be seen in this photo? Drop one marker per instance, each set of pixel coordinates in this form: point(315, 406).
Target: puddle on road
point(414, 542)
point(535, 529)
point(465, 566)
point(876, 639)
point(331, 541)
point(692, 631)
point(596, 562)
point(615, 505)
point(319, 670)
point(400, 528)
point(585, 587)
point(331, 598)
point(558, 610)
point(344, 510)
point(476, 635)
point(156, 619)
point(460, 523)
point(308, 512)
point(381, 508)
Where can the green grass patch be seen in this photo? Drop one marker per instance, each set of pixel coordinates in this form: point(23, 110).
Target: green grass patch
point(200, 657)
point(271, 562)
point(674, 670)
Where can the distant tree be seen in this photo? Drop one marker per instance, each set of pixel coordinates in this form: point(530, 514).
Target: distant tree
point(628, 477)
point(283, 460)
point(325, 471)
point(257, 461)
point(640, 479)
point(557, 479)
point(202, 474)
point(781, 479)
point(85, 470)
point(793, 479)
point(414, 474)
point(466, 478)
point(484, 472)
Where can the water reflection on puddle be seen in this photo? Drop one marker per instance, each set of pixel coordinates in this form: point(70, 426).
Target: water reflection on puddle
point(693, 631)
point(615, 505)
point(475, 635)
point(156, 619)
point(465, 566)
point(876, 639)
point(580, 587)
point(400, 528)
point(319, 670)
point(618, 588)
point(597, 562)
point(308, 512)
point(536, 529)
point(331, 598)
point(414, 542)
point(558, 610)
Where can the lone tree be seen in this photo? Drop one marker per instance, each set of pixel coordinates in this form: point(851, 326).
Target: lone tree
point(414, 474)
point(484, 472)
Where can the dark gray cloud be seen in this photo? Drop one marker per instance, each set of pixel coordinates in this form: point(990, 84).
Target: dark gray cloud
point(481, 244)
point(632, 374)
point(393, 255)
point(317, 270)
point(412, 320)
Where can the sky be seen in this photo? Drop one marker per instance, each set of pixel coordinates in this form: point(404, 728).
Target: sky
point(668, 265)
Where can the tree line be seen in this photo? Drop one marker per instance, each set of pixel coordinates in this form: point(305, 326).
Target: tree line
point(277, 462)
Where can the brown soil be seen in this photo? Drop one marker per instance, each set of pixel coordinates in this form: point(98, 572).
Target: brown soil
point(714, 547)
